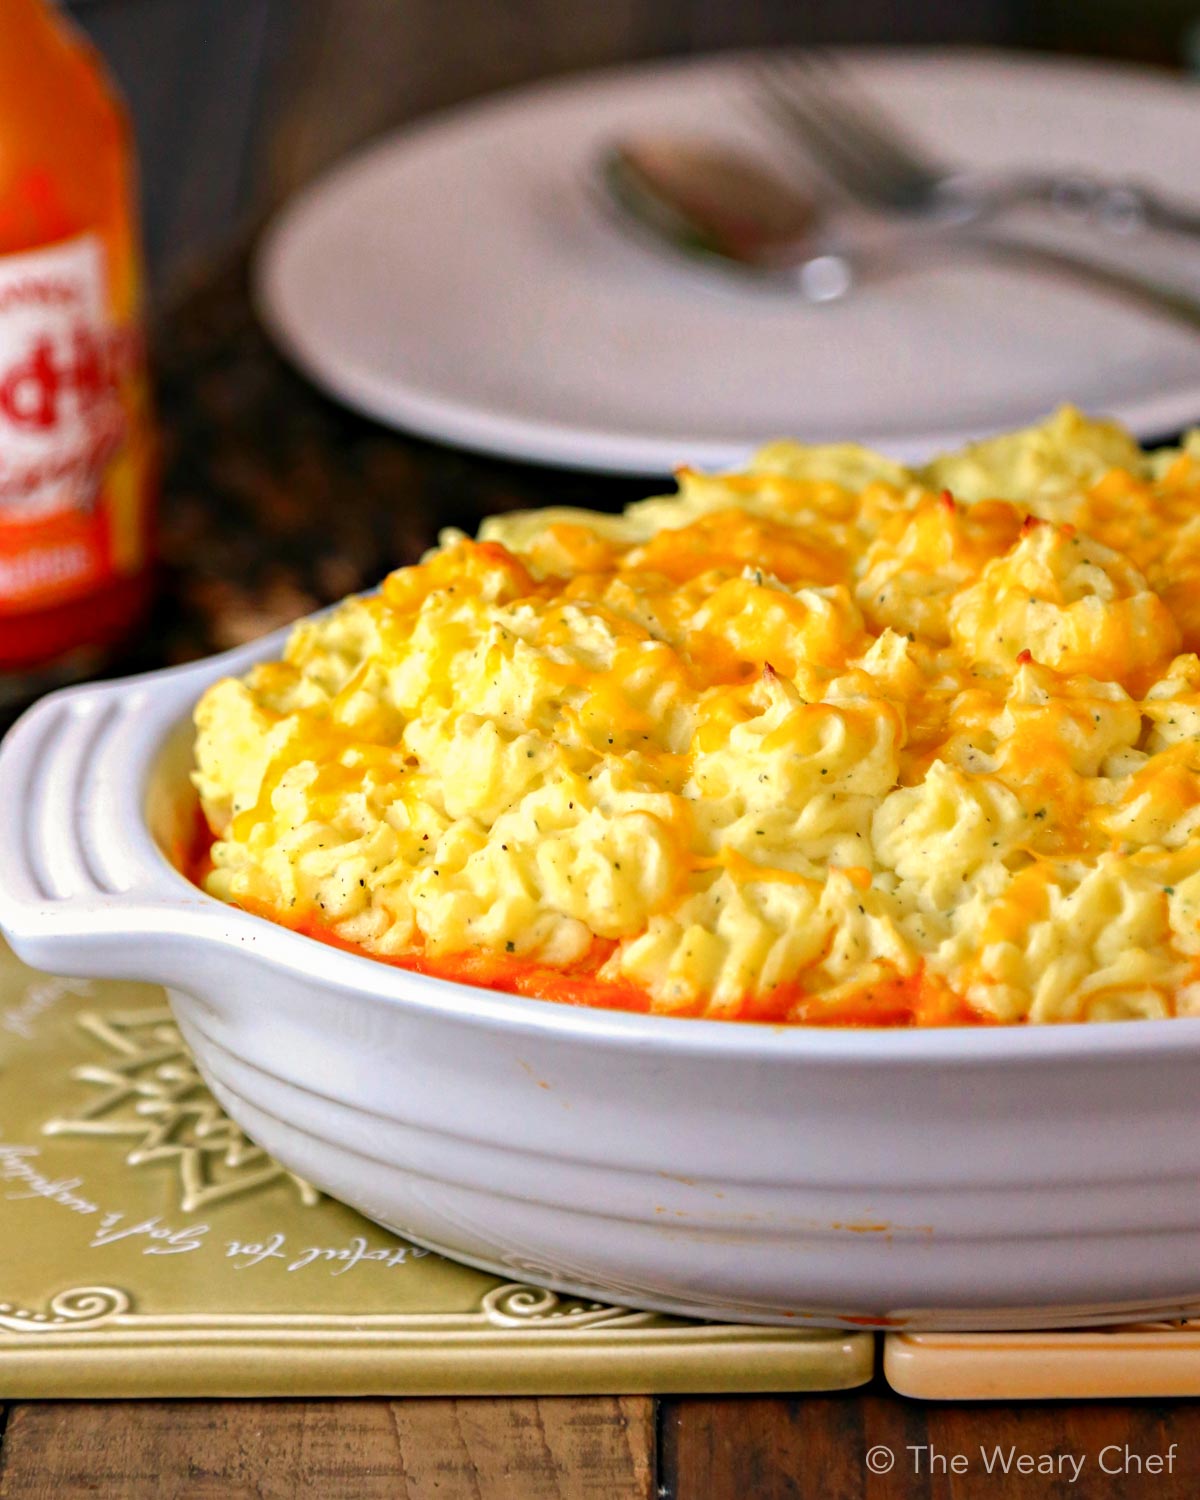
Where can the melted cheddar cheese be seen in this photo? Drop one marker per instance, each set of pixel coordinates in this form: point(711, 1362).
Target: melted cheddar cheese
point(828, 740)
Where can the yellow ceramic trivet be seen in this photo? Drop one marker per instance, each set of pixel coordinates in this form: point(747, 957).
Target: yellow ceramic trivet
point(148, 1248)
point(1126, 1360)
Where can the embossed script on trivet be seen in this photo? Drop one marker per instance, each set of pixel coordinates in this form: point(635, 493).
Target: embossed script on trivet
point(148, 1249)
point(151, 1094)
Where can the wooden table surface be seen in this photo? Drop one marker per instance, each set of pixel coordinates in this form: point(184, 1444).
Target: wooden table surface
point(276, 501)
point(591, 1448)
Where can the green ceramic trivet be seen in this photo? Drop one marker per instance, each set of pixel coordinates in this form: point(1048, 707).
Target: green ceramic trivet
point(147, 1248)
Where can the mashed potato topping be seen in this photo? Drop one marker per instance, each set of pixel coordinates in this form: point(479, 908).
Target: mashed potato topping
point(828, 740)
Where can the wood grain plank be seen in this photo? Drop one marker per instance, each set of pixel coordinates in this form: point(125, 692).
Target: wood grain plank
point(527, 1450)
point(815, 1448)
point(565, 1448)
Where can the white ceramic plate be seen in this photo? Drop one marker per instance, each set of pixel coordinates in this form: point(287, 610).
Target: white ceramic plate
point(459, 280)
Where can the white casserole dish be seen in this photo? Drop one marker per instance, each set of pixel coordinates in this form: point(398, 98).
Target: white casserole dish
point(957, 1178)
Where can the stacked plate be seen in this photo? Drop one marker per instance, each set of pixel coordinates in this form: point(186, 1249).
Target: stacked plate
point(462, 280)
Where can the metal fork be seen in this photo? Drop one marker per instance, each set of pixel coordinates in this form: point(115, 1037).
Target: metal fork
point(863, 150)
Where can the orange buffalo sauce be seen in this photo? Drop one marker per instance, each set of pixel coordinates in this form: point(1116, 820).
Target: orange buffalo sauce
point(578, 984)
point(919, 999)
point(913, 1000)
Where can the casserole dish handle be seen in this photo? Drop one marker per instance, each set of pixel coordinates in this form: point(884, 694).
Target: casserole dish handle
point(88, 838)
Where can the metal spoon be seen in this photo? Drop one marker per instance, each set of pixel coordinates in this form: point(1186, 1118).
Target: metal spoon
point(705, 201)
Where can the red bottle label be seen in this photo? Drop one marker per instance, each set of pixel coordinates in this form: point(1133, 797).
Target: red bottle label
point(72, 454)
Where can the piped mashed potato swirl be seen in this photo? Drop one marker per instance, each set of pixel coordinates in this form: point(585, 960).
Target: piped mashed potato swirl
point(829, 740)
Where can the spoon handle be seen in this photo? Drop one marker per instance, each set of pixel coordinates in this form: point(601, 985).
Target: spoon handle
point(921, 249)
point(1158, 296)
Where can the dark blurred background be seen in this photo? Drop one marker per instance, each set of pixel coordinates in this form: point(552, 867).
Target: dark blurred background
point(238, 102)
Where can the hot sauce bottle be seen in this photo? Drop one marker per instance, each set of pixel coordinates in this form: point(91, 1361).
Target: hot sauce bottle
point(76, 451)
